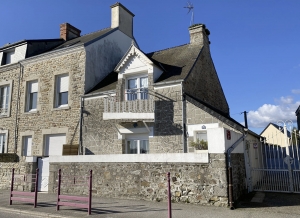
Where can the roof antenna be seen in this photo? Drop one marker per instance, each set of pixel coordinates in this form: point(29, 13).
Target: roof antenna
point(191, 8)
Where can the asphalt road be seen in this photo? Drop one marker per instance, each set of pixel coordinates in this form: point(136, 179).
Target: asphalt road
point(5, 214)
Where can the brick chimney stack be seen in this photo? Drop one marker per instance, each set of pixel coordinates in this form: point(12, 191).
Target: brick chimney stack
point(122, 18)
point(199, 34)
point(67, 31)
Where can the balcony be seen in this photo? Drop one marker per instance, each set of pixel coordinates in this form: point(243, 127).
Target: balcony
point(138, 106)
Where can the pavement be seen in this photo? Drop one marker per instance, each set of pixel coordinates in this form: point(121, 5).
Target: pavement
point(256, 204)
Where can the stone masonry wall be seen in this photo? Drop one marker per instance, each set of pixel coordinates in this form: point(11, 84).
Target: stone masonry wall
point(100, 136)
point(20, 168)
point(48, 119)
point(195, 183)
point(7, 123)
point(203, 83)
point(239, 175)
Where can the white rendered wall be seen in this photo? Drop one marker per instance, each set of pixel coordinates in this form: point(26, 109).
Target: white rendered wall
point(103, 55)
point(134, 158)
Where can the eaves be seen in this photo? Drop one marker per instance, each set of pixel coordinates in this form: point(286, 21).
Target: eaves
point(8, 67)
point(52, 54)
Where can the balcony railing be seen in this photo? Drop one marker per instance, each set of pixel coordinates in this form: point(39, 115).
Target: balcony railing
point(133, 105)
point(134, 94)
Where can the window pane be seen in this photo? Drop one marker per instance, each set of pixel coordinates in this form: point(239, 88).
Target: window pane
point(201, 136)
point(144, 82)
point(2, 142)
point(132, 147)
point(63, 98)
point(132, 84)
point(27, 146)
point(32, 100)
point(4, 94)
point(144, 147)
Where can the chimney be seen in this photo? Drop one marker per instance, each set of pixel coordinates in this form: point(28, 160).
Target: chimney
point(67, 31)
point(199, 34)
point(122, 18)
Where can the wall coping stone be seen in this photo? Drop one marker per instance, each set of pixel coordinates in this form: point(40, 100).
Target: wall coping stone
point(132, 158)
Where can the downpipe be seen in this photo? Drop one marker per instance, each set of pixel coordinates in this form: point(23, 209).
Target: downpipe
point(230, 182)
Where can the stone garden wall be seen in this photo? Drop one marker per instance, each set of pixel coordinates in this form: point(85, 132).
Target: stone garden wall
point(7, 163)
point(197, 183)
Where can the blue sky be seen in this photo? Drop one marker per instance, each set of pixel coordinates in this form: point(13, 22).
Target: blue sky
point(255, 44)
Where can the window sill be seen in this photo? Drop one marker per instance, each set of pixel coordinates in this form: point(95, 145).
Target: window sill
point(31, 112)
point(4, 115)
point(61, 108)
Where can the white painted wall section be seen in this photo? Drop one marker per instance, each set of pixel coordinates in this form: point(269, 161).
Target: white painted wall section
point(134, 158)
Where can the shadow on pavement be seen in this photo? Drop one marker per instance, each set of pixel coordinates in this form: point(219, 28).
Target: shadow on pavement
point(270, 200)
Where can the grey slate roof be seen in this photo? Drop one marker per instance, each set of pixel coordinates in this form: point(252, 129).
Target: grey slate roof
point(88, 38)
point(107, 84)
point(176, 62)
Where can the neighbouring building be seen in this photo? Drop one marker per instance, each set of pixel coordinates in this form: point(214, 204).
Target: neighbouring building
point(129, 116)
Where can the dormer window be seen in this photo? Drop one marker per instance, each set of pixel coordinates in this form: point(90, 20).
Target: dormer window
point(137, 88)
point(7, 57)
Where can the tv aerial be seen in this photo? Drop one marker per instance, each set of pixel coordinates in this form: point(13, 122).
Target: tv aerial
point(190, 7)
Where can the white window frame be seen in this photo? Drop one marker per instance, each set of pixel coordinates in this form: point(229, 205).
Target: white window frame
point(138, 146)
point(5, 107)
point(58, 92)
point(139, 94)
point(25, 149)
point(28, 96)
point(3, 141)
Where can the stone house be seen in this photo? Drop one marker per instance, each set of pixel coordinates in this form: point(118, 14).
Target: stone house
point(41, 91)
point(133, 116)
point(145, 118)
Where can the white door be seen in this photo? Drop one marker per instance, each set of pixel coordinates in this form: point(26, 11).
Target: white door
point(43, 165)
point(54, 144)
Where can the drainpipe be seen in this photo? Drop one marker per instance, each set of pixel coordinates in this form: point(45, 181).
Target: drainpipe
point(17, 108)
point(230, 183)
point(184, 136)
point(80, 125)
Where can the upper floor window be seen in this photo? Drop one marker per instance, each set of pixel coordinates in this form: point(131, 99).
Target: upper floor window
point(32, 92)
point(61, 90)
point(137, 88)
point(7, 57)
point(4, 99)
point(2, 142)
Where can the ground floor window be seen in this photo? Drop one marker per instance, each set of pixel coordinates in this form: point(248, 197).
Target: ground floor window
point(2, 142)
point(137, 146)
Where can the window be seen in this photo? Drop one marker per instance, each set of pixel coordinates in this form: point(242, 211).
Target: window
point(7, 57)
point(62, 88)
point(2, 142)
point(32, 92)
point(201, 140)
point(137, 88)
point(4, 99)
point(27, 144)
point(137, 146)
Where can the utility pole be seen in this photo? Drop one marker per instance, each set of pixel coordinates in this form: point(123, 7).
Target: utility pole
point(245, 118)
